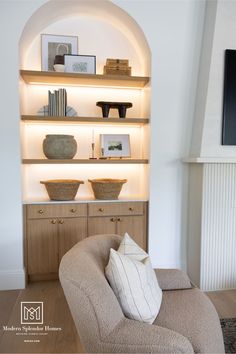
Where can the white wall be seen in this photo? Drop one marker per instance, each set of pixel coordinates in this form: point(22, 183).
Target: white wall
point(173, 30)
point(221, 22)
point(11, 235)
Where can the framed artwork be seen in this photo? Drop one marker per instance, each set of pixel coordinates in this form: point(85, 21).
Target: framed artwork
point(52, 45)
point(81, 64)
point(115, 145)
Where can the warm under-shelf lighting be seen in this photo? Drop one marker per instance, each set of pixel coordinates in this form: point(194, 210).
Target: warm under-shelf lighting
point(32, 174)
point(87, 85)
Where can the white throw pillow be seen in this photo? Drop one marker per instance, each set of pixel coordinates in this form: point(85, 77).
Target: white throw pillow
point(130, 248)
point(134, 282)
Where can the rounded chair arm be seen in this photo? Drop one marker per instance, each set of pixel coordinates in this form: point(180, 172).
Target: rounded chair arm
point(131, 336)
point(172, 279)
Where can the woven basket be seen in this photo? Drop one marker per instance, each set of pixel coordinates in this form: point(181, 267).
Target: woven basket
point(107, 188)
point(62, 189)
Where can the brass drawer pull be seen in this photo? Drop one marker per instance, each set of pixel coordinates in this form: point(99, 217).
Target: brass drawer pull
point(53, 221)
point(131, 209)
point(73, 210)
point(40, 211)
point(61, 221)
point(113, 219)
point(119, 219)
point(101, 209)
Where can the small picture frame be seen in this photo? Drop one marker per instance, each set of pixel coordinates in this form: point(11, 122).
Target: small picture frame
point(52, 45)
point(115, 145)
point(80, 64)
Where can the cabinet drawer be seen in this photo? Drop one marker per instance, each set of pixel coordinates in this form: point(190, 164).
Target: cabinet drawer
point(100, 209)
point(63, 210)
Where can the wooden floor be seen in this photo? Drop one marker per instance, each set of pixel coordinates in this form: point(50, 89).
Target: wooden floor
point(225, 302)
point(57, 314)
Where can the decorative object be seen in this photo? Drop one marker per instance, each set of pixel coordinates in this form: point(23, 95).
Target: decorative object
point(44, 111)
point(57, 102)
point(54, 45)
point(117, 67)
point(107, 188)
point(59, 67)
point(81, 64)
point(228, 326)
point(93, 147)
point(121, 106)
point(62, 189)
point(59, 59)
point(115, 145)
point(58, 146)
point(59, 63)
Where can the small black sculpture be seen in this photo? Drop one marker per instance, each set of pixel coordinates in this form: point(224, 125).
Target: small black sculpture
point(121, 106)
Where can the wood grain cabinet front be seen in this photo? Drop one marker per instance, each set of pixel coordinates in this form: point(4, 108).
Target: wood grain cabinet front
point(49, 238)
point(124, 217)
point(51, 230)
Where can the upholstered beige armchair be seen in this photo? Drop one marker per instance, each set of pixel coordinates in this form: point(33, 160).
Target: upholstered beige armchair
point(187, 322)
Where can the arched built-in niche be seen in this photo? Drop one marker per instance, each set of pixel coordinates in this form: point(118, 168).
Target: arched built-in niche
point(106, 13)
point(104, 31)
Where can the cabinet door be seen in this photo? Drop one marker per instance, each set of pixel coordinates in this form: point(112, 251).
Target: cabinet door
point(70, 231)
point(101, 225)
point(42, 246)
point(135, 226)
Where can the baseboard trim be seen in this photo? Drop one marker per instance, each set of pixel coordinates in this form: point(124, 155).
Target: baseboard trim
point(12, 279)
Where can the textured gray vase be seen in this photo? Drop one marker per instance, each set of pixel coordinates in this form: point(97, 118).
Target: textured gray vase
point(57, 146)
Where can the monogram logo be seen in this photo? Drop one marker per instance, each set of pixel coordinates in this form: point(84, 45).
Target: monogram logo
point(31, 312)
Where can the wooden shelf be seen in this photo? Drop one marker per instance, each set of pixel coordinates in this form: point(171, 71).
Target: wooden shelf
point(76, 119)
point(57, 78)
point(85, 161)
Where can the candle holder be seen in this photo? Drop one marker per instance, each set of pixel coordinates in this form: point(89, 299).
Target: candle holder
point(93, 155)
point(102, 153)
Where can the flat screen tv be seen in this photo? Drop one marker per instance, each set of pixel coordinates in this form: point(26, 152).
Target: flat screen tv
point(229, 102)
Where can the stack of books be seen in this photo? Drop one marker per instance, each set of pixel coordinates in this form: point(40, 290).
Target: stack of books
point(117, 67)
point(57, 102)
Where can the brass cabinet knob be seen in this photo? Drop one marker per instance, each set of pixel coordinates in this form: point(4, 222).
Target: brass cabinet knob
point(53, 221)
point(73, 210)
point(119, 219)
point(131, 209)
point(113, 219)
point(40, 211)
point(61, 221)
point(101, 209)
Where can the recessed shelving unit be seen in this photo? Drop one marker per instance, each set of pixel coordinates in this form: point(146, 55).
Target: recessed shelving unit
point(85, 161)
point(57, 78)
point(37, 167)
point(86, 120)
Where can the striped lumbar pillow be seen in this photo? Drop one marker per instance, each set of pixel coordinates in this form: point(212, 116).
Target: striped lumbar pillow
point(134, 285)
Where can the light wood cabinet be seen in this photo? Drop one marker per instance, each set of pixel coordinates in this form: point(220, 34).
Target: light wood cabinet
point(42, 246)
point(136, 228)
point(70, 231)
point(123, 217)
point(52, 229)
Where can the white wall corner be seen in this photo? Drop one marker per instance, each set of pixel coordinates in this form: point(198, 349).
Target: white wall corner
point(12, 279)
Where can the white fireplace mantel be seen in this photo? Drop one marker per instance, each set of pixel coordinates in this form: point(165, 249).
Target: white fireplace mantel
point(209, 160)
